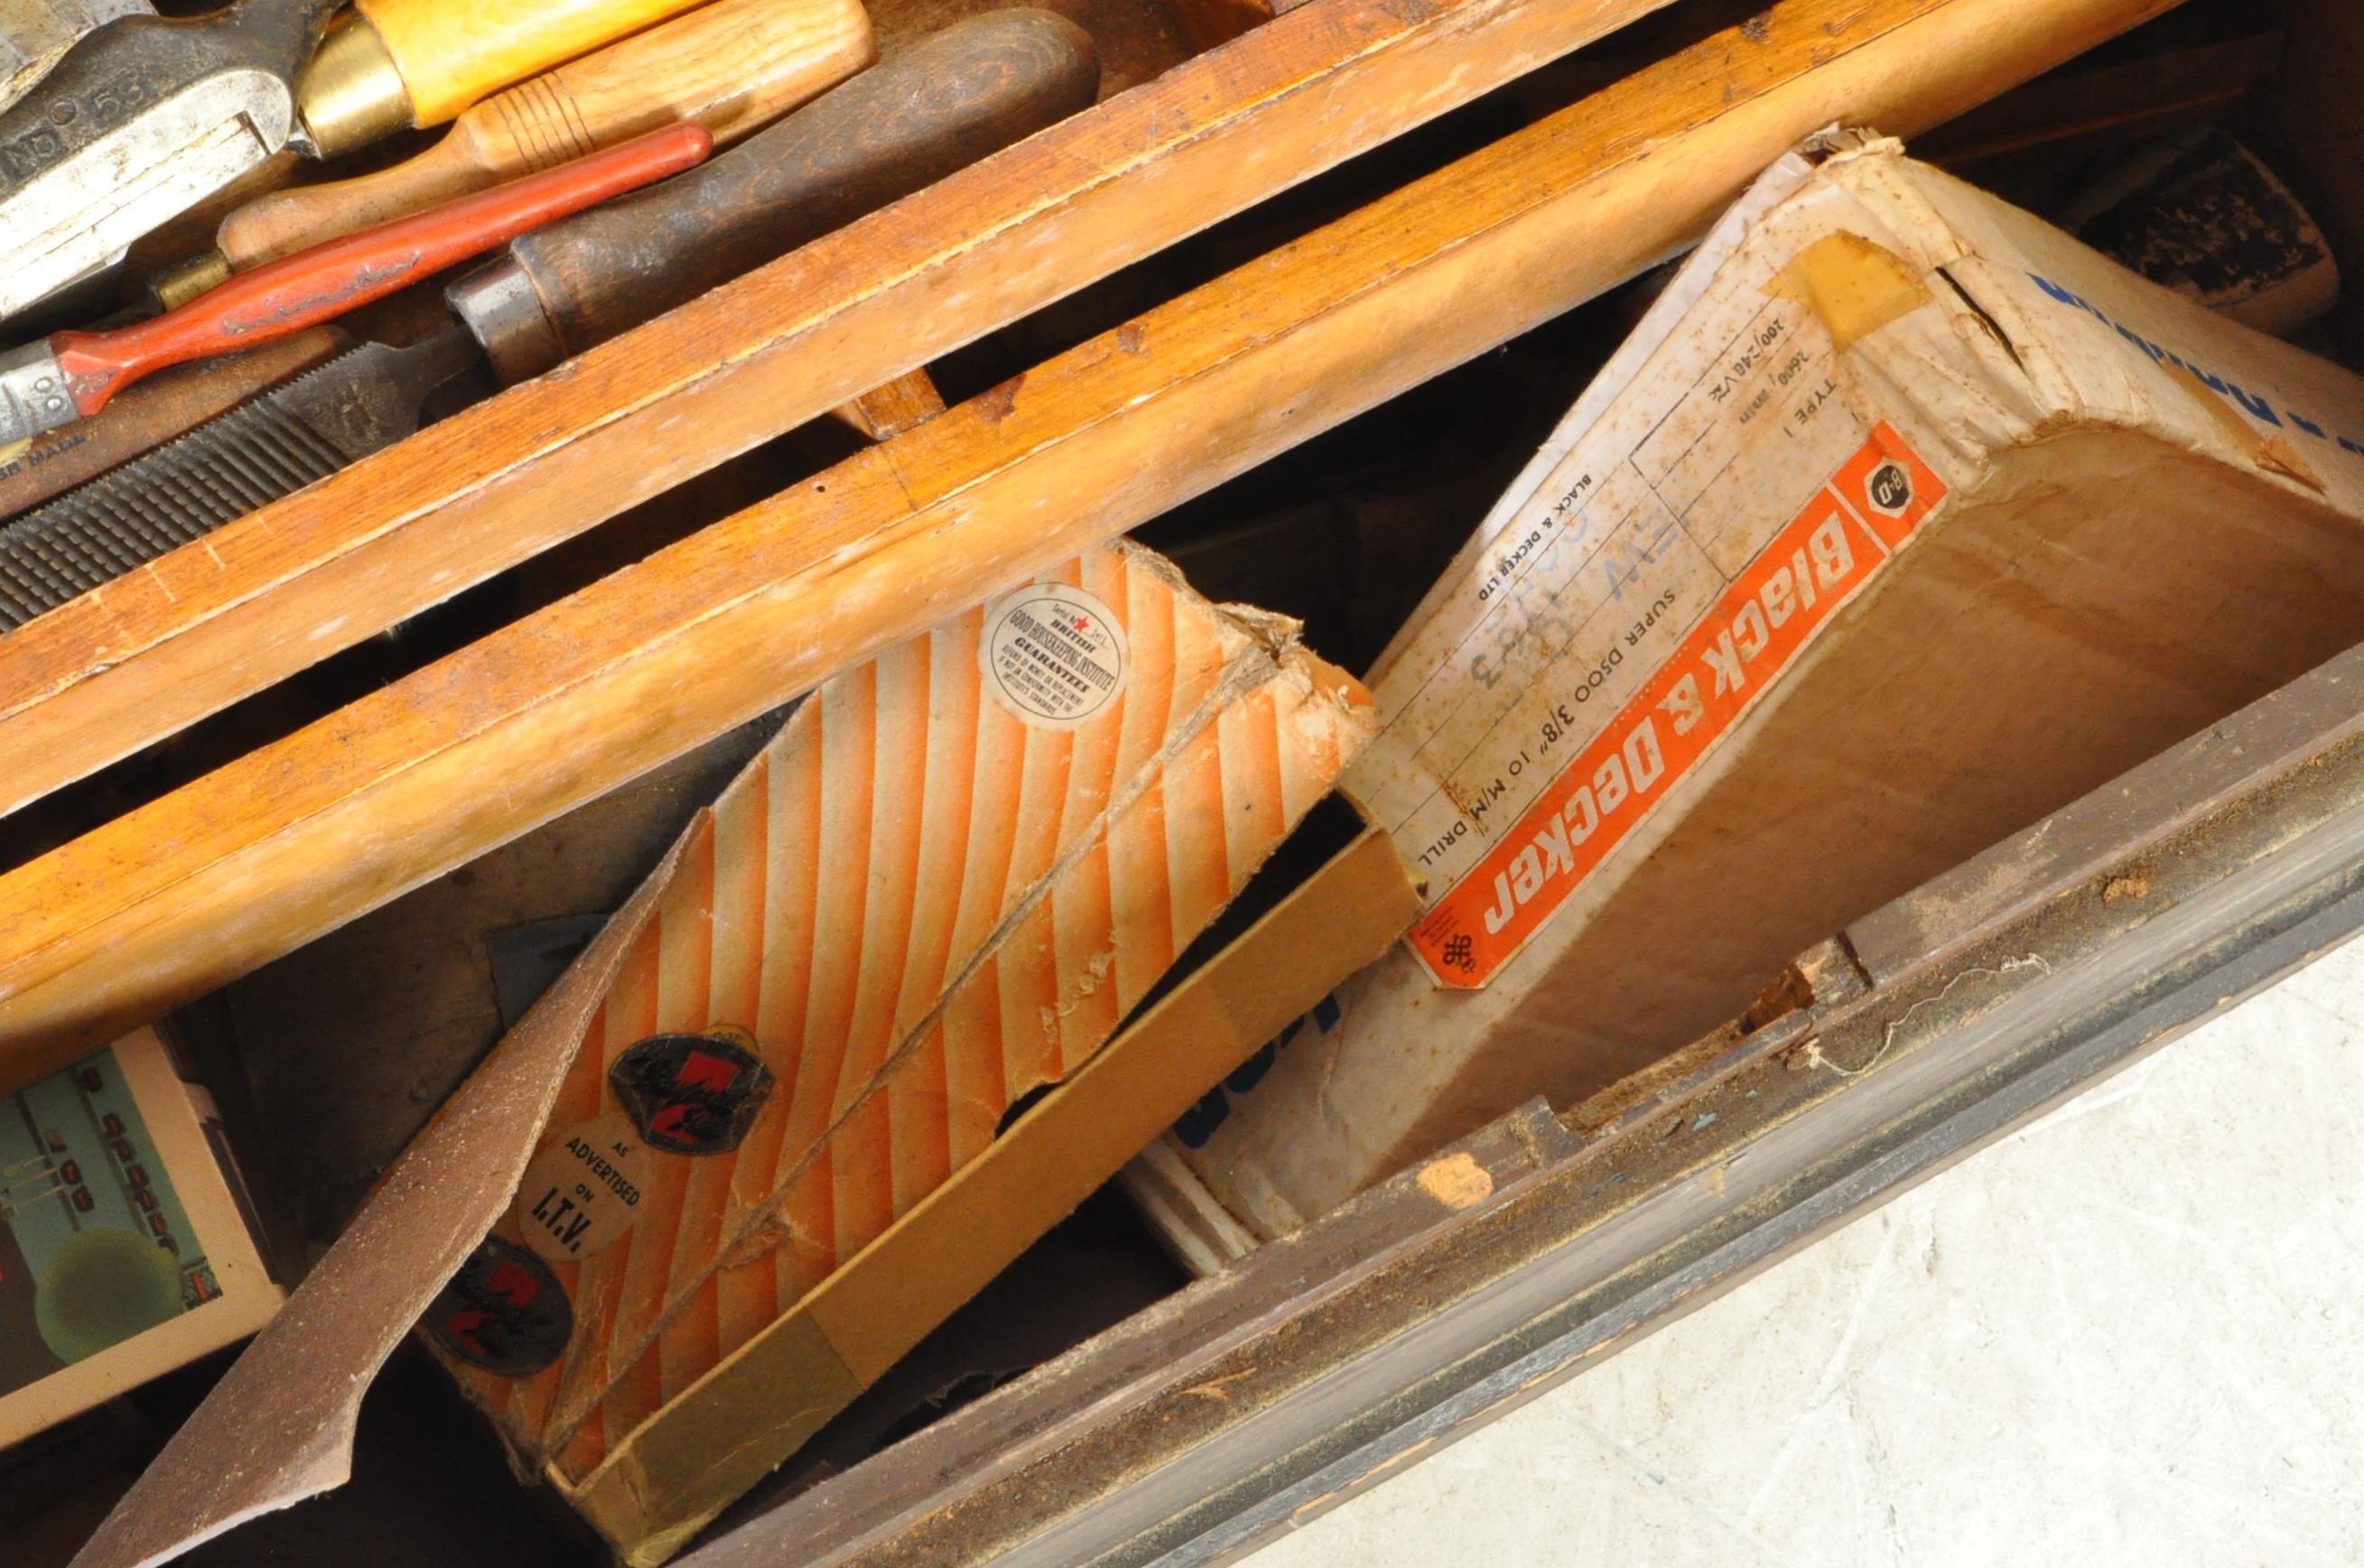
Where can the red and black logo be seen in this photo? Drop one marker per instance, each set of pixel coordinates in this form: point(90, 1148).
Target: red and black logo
point(504, 1311)
point(692, 1094)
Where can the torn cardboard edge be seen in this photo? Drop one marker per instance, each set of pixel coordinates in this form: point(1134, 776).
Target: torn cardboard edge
point(278, 1427)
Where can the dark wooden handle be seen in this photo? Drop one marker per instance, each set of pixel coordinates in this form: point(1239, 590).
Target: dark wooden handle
point(939, 105)
point(325, 282)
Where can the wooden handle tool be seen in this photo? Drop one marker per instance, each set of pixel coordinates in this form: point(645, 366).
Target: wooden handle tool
point(732, 66)
point(73, 374)
point(919, 115)
point(398, 64)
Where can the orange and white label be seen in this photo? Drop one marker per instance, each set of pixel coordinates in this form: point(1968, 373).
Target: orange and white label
point(1731, 655)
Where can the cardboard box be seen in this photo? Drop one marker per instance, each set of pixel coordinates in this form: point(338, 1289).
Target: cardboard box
point(124, 1249)
point(937, 891)
point(735, 1424)
point(1902, 520)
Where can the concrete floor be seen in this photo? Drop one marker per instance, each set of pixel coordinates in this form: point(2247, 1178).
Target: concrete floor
point(2133, 1333)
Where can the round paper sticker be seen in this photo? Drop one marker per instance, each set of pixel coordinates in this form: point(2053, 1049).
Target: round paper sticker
point(583, 1190)
point(1052, 656)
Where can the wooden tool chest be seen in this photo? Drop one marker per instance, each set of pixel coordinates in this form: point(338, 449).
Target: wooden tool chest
point(1293, 300)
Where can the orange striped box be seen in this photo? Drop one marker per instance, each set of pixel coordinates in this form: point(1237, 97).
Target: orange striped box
point(943, 887)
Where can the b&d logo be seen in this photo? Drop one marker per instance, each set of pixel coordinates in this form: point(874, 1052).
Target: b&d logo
point(692, 1094)
point(1890, 489)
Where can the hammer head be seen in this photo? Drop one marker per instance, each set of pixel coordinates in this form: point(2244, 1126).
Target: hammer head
point(142, 120)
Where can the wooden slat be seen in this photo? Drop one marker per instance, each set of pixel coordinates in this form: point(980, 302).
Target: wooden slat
point(292, 839)
point(886, 412)
point(153, 652)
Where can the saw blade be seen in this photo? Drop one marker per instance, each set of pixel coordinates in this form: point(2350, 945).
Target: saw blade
point(261, 452)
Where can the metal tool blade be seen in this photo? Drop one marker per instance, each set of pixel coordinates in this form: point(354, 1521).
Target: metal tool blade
point(140, 121)
point(34, 398)
point(36, 34)
point(293, 436)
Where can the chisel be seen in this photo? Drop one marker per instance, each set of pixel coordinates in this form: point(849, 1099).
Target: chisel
point(146, 117)
point(939, 105)
point(50, 385)
point(36, 34)
point(944, 103)
point(732, 66)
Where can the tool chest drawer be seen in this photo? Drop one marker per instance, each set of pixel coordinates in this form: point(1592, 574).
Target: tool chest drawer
point(620, 632)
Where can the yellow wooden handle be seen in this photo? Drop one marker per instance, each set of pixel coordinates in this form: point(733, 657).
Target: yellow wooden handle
point(734, 66)
point(454, 53)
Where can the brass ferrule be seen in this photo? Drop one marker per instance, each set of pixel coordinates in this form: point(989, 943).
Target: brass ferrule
point(353, 92)
point(184, 280)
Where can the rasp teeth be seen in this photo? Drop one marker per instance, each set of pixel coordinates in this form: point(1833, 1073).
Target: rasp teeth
point(236, 464)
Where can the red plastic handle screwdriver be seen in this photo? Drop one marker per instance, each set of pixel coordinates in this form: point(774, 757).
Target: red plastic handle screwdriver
point(329, 280)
